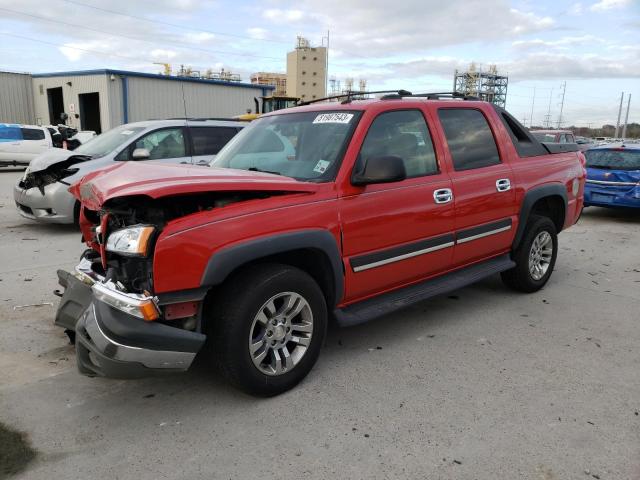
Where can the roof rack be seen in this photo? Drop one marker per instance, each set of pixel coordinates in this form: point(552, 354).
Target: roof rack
point(200, 119)
point(348, 96)
point(431, 96)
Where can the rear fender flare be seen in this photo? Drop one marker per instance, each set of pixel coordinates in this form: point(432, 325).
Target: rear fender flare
point(530, 198)
point(223, 262)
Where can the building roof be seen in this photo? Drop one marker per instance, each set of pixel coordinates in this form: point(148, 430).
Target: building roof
point(125, 73)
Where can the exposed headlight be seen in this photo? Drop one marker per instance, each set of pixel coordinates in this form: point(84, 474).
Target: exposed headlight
point(130, 241)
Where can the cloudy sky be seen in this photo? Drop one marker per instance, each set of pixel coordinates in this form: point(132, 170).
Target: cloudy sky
point(592, 45)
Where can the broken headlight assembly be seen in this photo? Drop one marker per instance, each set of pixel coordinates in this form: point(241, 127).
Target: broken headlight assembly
point(131, 241)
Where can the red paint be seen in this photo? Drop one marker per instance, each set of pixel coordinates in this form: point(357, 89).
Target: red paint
point(361, 219)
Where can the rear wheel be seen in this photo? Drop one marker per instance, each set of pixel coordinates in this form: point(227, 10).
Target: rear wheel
point(266, 327)
point(535, 257)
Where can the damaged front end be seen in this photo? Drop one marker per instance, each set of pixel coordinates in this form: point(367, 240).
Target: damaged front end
point(114, 330)
point(121, 328)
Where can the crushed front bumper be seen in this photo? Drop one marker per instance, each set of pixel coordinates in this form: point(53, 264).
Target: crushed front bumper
point(112, 343)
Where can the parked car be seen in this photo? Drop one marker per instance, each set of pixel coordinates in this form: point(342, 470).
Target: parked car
point(613, 176)
point(585, 143)
point(554, 136)
point(370, 206)
point(42, 193)
point(19, 144)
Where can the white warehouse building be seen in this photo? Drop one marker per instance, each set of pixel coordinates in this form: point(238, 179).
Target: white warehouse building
point(102, 99)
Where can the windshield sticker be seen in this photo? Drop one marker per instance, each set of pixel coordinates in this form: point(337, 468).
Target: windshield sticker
point(321, 166)
point(333, 118)
point(126, 132)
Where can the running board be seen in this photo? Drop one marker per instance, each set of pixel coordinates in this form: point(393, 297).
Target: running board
point(366, 310)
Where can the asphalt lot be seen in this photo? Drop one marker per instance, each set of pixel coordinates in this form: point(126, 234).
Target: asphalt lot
point(482, 384)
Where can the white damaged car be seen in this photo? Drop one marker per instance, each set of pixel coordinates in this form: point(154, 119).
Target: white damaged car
point(42, 193)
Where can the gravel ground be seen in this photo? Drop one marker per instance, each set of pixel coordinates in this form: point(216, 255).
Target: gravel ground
point(481, 384)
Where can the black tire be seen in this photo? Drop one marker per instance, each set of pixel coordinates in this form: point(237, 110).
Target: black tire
point(230, 316)
point(520, 278)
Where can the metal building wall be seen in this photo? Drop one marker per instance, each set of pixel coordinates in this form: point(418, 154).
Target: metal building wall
point(100, 83)
point(150, 98)
point(16, 98)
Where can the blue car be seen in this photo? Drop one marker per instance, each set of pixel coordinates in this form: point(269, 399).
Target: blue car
point(613, 176)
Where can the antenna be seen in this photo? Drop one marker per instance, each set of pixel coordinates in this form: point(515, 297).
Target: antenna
point(564, 89)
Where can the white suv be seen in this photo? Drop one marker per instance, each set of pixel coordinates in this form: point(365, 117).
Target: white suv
point(19, 144)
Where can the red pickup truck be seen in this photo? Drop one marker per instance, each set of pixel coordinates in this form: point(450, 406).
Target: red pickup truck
point(337, 210)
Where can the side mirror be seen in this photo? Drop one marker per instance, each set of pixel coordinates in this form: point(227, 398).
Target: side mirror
point(141, 154)
point(386, 169)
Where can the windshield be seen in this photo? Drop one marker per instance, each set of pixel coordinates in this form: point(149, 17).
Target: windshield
point(305, 146)
point(107, 142)
point(544, 137)
point(613, 159)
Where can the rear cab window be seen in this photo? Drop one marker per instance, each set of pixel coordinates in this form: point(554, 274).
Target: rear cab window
point(210, 140)
point(469, 137)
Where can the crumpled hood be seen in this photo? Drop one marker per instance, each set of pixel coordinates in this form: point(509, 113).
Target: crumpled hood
point(50, 157)
point(156, 180)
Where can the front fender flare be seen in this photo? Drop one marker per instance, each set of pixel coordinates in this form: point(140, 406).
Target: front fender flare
point(224, 261)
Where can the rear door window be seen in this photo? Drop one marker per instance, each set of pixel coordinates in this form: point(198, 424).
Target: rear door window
point(210, 140)
point(32, 134)
point(469, 138)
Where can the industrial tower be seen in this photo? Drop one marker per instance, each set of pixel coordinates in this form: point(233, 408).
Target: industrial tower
point(486, 85)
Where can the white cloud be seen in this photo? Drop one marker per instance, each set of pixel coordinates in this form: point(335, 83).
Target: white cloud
point(374, 28)
point(278, 15)
point(603, 5)
point(576, 9)
point(199, 37)
point(163, 54)
point(562, 43)
point(257, 33)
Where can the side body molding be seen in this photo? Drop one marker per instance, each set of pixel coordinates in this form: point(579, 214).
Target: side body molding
point(530, 198)
point(226, 260)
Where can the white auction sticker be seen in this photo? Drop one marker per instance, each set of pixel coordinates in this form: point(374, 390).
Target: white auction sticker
point(333, 118)
point(126, 132)
point(321, 166)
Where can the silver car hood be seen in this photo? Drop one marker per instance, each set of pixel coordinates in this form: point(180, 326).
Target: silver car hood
point(50, 157)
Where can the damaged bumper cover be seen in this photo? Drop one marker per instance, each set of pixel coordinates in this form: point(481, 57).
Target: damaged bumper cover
point(112, 342)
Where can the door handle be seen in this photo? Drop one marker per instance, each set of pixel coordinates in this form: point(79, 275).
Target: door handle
point(443, 195)
point(503, 184)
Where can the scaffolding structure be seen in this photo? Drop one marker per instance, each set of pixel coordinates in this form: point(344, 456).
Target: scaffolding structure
point(486, 85)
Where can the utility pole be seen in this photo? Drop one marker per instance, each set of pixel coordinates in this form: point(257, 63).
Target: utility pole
point(564, 90)
point(626, 119)
point(547, 117)
point(533, 102)
point(619, 113)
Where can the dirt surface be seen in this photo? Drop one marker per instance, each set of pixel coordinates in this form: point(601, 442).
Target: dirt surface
point(481, 384)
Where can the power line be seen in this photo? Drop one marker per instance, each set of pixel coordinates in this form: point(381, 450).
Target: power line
point(139, 59)
point(191, 47)
point(168, 24)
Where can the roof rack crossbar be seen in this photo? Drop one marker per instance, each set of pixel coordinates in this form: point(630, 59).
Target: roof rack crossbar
point(349, 94)
point(431, 96)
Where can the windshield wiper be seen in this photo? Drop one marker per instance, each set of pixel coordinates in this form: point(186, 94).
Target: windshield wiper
point(602, 167)
point(256, 169)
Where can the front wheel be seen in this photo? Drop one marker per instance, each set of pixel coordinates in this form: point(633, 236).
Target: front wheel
point(266, 327)
point(535, 257)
